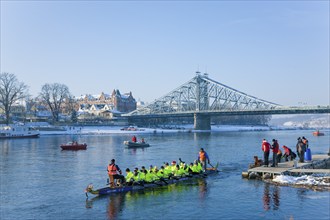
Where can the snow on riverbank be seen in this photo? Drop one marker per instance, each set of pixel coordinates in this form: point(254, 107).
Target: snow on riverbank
point(97, 130)
point(310, 180)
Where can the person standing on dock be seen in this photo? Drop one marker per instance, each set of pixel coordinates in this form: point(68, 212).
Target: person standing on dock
point(275, 147)
point(279, 156)
point(305, 142)
point(202, 157)
point(301, 149)
point(265, 147)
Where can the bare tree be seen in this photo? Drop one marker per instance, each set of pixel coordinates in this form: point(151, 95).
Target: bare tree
point(11, 91)
point(55, 95)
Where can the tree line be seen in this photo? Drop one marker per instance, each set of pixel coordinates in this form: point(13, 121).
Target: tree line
point(56, 97)
point(12, 90)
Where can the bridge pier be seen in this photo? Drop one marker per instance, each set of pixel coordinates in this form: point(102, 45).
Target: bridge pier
point(202, 121)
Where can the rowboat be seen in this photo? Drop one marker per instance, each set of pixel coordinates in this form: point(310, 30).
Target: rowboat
point(114, 190)
point(73, 146)
point(136, 144)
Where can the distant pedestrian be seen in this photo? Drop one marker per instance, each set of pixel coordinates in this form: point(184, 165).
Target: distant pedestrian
point(265, 147)
point(275, 146)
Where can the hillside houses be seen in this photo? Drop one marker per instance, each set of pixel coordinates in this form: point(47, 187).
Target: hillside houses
point(105, 105)
point(87, 107)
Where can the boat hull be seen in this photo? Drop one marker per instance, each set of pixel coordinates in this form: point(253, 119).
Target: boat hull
point(318, 134)
point(131, 144)
point(18, 131)
point(114, 190)
point(74, 147)
point(19, 136)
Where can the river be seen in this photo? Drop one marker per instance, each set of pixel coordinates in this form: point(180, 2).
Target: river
point(40, 181)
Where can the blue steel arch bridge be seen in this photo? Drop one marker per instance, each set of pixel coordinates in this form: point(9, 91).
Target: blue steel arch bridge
point(202, 97)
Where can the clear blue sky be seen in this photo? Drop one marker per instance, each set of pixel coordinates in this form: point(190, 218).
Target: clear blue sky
point(274, 50)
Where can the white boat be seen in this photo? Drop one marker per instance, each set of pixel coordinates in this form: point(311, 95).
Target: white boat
point(18, 131)
point(136, 144)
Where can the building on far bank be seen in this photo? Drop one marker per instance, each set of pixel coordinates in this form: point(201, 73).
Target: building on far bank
point(116, 102)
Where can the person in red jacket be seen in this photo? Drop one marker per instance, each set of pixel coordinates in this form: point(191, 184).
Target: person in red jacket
point(134, 139)
point(275, 147)
point(265, 147)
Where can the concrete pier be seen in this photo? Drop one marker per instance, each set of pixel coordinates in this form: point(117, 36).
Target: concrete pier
point(202, 121)
point(320, 164)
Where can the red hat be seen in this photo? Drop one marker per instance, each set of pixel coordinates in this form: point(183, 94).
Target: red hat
point(173, 162)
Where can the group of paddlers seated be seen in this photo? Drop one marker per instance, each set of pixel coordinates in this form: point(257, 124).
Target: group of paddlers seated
point(154, 175)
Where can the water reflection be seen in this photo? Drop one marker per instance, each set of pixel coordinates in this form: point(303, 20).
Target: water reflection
point(202, 135)
point(117, 203)
point(271, 197)
point(202, 184)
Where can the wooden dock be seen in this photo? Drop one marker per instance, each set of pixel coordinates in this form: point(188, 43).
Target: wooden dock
point(317, 165)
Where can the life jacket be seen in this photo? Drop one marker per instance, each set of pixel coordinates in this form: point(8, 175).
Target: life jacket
point(154, 176)
point(202, 156)
point(112, 169)
point(149, 177)
point(287, 151)
point(129, 176)
point(136, 176)
point(199, 167)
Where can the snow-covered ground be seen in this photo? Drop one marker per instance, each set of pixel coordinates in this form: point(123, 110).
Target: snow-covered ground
point(306, 180)
point(278, 122)
point(312, 121)
point(116, 130)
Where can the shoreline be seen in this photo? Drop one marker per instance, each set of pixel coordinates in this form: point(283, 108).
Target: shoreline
point(99, 130)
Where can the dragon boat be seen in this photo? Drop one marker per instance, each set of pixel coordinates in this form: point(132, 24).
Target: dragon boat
point(114, 190)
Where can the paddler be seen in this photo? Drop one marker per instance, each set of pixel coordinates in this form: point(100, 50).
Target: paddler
point(129, 177)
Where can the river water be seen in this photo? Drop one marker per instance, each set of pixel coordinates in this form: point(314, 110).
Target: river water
point(40, 181)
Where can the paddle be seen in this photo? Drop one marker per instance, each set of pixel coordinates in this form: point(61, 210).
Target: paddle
point(158, 184)
point(163, 180)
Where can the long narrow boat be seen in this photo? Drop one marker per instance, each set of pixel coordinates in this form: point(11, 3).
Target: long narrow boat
point(113, 190)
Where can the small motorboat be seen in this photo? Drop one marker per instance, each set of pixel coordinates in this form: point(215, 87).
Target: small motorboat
point(74, 146)
point(136, 144)
point(318, 133)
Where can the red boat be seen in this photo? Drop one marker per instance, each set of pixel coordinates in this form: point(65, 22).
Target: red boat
point(317, 133)
point(74, 146)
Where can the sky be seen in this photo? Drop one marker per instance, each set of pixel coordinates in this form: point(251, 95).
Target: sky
point(274, 50)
